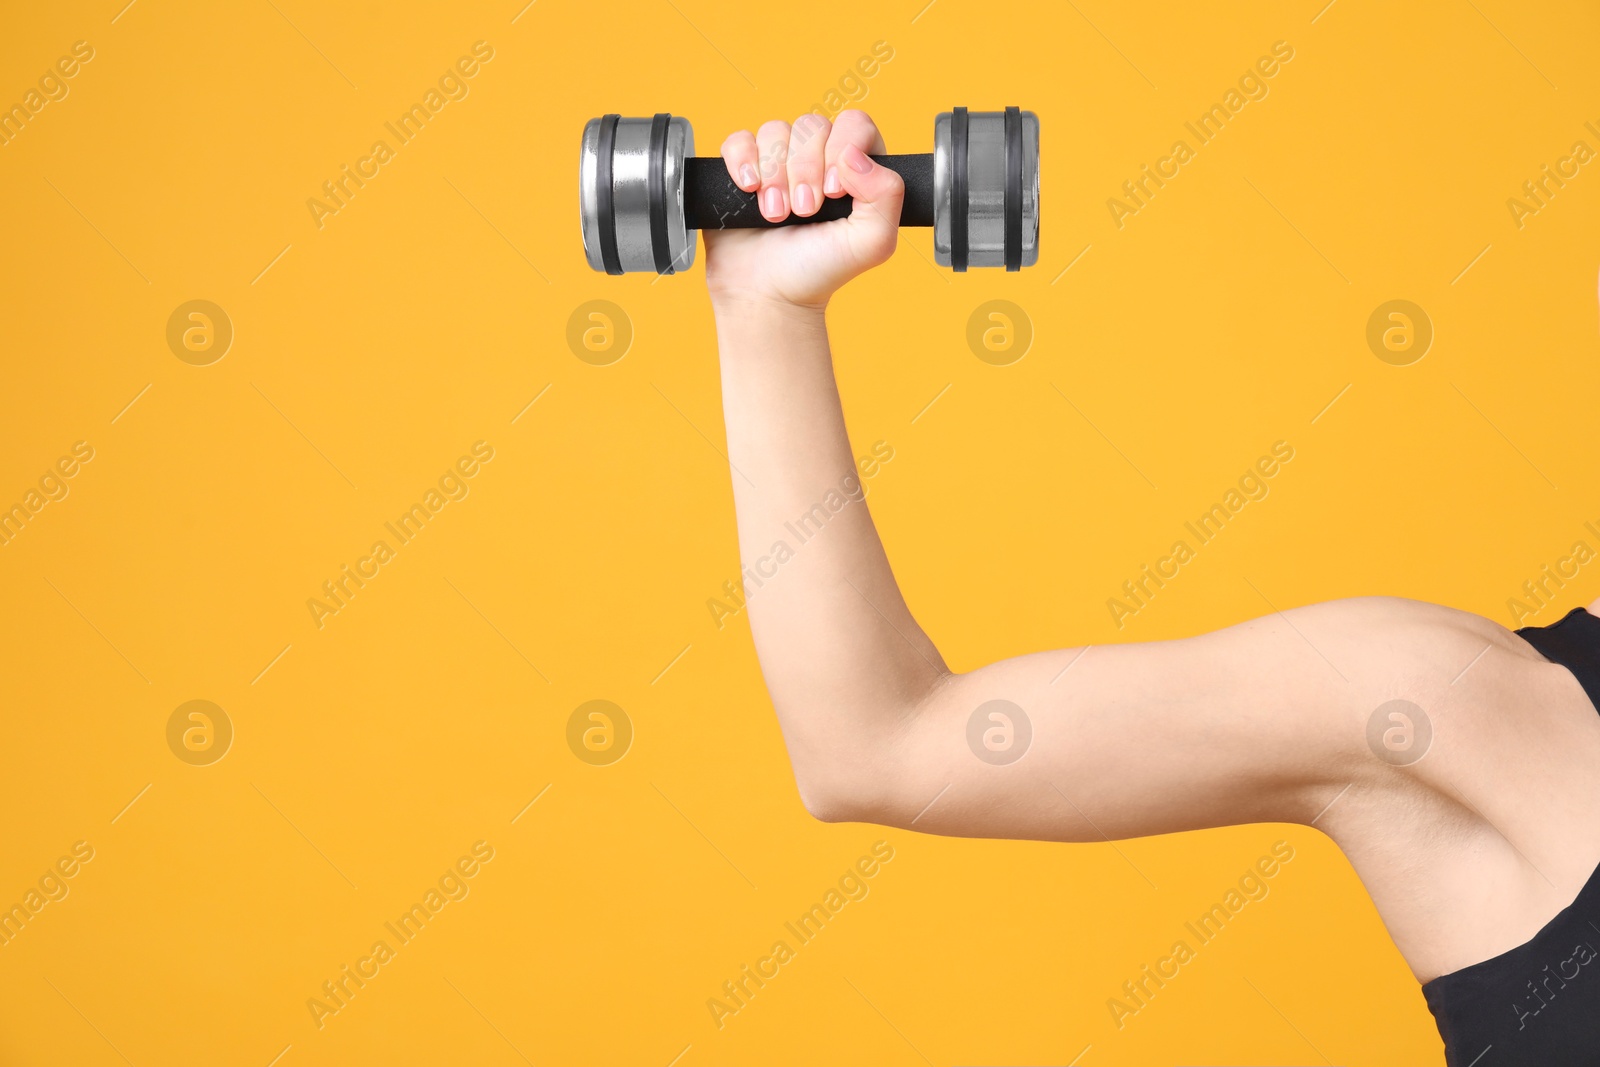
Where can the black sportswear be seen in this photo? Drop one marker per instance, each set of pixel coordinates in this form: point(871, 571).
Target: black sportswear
point(1539, 1003)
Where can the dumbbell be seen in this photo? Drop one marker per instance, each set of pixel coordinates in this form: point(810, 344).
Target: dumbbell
point(642, 192)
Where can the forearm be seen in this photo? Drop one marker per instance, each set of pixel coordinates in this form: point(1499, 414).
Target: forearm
point(842, 657)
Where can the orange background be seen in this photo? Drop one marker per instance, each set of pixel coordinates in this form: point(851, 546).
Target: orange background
point(369, 354)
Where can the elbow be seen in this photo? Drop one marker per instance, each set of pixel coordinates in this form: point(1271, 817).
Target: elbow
point(868, 772)
point(845, 786)
point(833, 804)
point(832, 797)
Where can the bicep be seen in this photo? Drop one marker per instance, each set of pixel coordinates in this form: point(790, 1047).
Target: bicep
point(1254, 723)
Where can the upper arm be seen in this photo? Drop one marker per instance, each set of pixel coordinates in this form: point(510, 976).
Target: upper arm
point(1261, 722)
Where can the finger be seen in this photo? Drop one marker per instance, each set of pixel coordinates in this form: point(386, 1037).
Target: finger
point(850, 128)
point(808, 141)
point(878, 191)
point(773, 141)
point(739, 151)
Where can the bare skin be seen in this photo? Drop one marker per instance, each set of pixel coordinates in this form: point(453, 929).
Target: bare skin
point(1466, 852)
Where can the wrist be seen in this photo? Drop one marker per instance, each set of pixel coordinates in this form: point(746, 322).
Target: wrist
point(738, 306)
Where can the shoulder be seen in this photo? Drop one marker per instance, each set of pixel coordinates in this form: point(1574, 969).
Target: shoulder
point(1389, 695)
point(1467, 799)
point(1378, 642)
point(1437, 664)
point(1450, 723)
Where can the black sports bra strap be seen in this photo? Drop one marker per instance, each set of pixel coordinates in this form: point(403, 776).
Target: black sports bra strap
point(1574, 642)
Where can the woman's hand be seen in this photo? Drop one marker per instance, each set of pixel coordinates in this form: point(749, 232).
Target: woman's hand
point(792, 169)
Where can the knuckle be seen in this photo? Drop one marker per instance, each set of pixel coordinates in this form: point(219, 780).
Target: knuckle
point(810, 125)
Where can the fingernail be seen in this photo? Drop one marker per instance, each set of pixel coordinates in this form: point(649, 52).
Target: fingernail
point(805, 201)
point(774, 201)
point(747, 176)
point(830, 182)
point(857, 160)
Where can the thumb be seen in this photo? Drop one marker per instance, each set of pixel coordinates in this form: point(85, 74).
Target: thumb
point(878, 191)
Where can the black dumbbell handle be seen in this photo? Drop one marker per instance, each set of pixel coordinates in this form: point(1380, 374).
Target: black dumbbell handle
point(711, 201)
